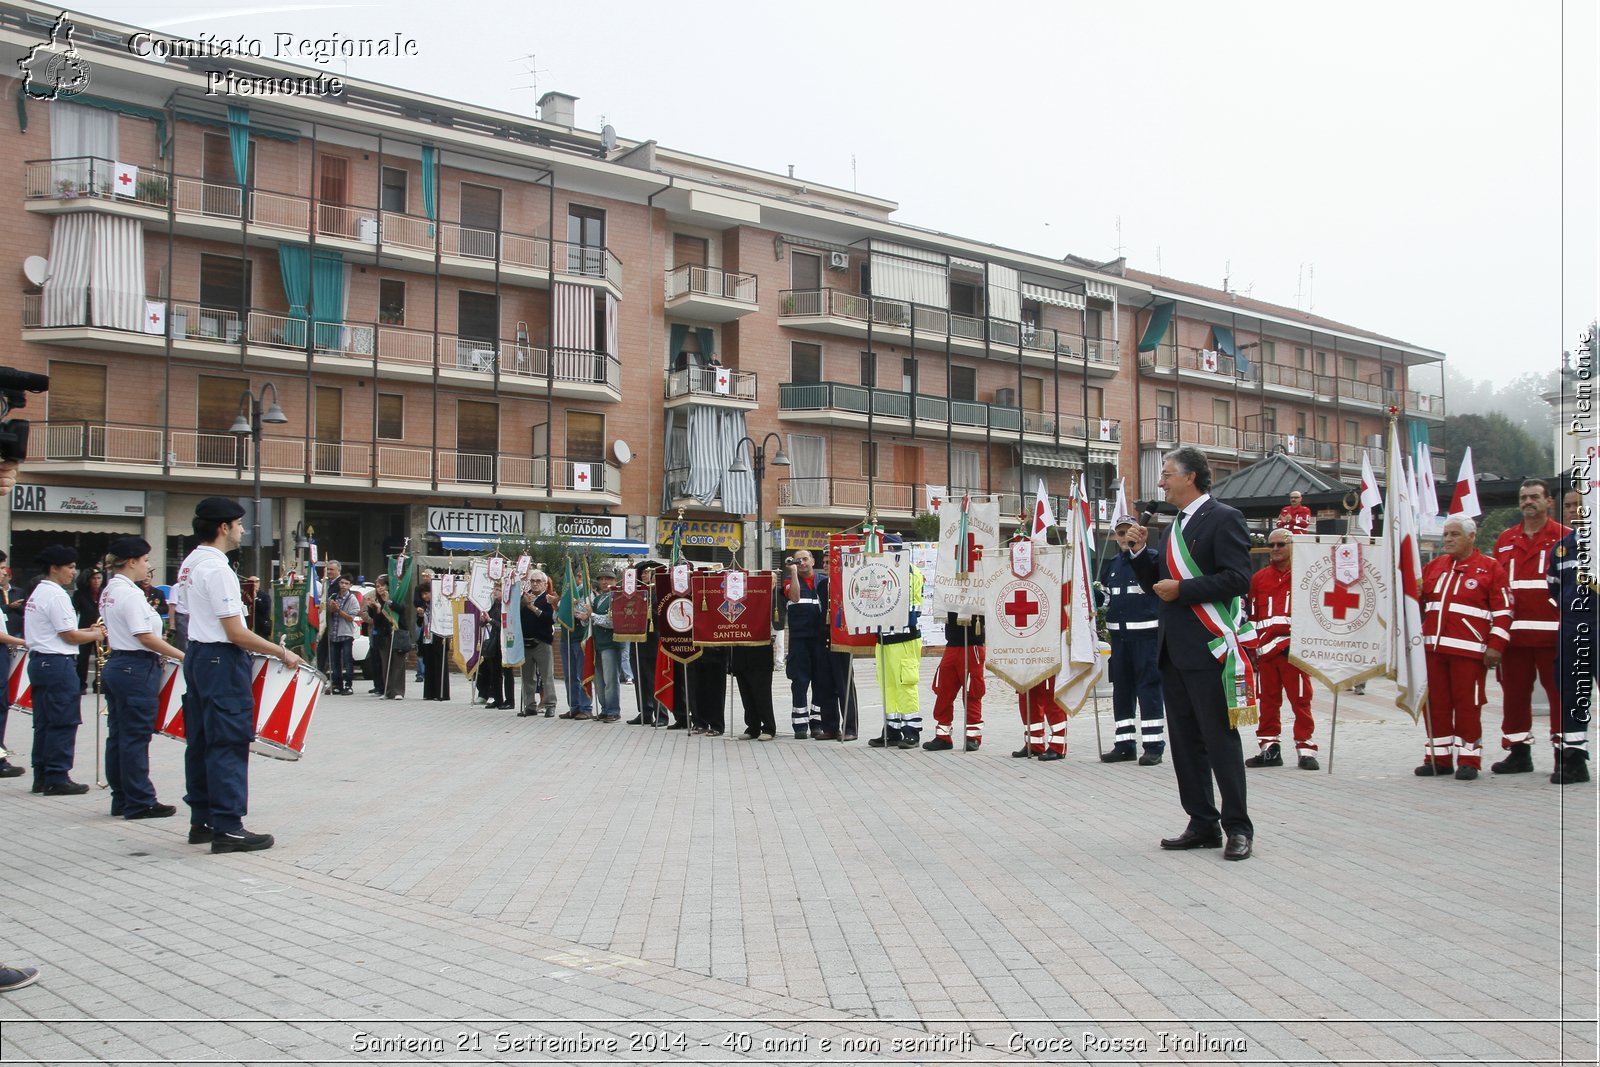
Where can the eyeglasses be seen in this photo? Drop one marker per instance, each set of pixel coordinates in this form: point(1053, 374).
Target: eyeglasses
point(1278, 544)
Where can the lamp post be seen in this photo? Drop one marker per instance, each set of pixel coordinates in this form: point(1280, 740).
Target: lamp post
point(759, 456)
point(253, 412)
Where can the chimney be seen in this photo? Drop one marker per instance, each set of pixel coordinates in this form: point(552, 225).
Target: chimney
point(559, 109)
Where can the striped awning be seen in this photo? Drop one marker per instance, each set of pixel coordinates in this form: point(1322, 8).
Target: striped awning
point(1044, 456)
point(1060, 298)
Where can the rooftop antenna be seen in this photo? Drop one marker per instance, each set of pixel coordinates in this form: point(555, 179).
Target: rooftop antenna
point(1227, 273)
point(1158, 261)
point(1300, 288)
point(1311, 288)
point(531, 71)
point(1119, 237)
point(853, 187)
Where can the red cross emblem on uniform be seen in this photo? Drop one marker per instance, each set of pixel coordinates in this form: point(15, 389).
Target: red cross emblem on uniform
point(1021, 608)
point(1341, 600)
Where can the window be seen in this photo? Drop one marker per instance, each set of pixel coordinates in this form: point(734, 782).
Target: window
point(327, 455)
point(1222, 412)
point(869, 369)
point(1300, 358)
point(965, 472)
point(1352, 432)
point(480, 220)
point(1091, 324)
point(221, 194)
point(586, 240)
point(218, 405)
point(1388, 379)
point(964, 383)
point(225, 290)
point(1166, 405)
point(869, 459)
point(1032, 394)
point(1322, 363)
point(77, 393)
point(1322, 427)
point(805, 270)
point(1269, 352)
point(477, 316)
point(477, 440)
point(1094, 399)
point(393, 196)
point(586, 437)
point(1300, 423)
point(392, 302)
point(908, 375)
point(1269, 420)
point(688, 251)
point(965, 300)
point(805, 363)
point(391, 417)
point(1347, 367)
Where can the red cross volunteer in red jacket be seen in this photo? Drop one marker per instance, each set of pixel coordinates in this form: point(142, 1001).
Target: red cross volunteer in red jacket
point(1270, 589)
point(1525, 551)
point(1466, 624)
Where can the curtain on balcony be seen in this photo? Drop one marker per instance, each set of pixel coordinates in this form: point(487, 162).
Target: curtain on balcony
point(77, 131)
point(1160, 319)
point(116, 273)
point(294, 266)
point(675, 335)
point(327, 287)
point(430, 181)
point(738, 489)
point(239, 141)
point(574, 332)
point(1222, 336)
point(705, 451)
point(1005, 299)
point(98, 260)
point(900, 272)
point(808, 473)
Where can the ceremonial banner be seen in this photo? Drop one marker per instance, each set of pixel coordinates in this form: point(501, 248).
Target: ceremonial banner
point(442, 618)
point(877, 592)
point(511, 651)
point(289, 622)
point(1022, 614)
point(465, 627)
point(675, 618)
point(1402, 611)
point(733, 608)
point(972, 542)
point(840, 637)
point(1336, 625)
point(480, 587)
point(630, 610)
point(1083, 655)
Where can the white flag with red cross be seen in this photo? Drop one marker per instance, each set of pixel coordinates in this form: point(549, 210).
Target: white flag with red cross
point(583, 477)
point(1465, 499)
point(125, 182)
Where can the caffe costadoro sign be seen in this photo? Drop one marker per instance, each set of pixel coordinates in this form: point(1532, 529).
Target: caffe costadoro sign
point(614, 527)
point(448, 521)
point(69, 500)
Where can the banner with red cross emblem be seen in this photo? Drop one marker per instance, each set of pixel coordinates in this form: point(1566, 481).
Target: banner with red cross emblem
point(1336, 609)
point(969, 539)
point(1022, 615)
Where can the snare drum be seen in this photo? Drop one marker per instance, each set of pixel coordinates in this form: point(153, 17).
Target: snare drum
point(285, 701)
point(19, 691)
point(169, 699)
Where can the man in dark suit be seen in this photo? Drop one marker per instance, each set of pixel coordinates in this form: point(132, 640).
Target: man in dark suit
point(1202, 741)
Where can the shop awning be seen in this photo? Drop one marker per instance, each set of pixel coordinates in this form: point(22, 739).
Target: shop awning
point(49, 523)
point(612, 546)
point(1160, 319)
point(467, 542)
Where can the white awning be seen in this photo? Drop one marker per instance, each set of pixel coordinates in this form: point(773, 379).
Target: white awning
point(1056, 297)
point(74, 524)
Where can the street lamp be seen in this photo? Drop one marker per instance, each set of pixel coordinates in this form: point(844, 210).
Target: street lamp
point(759, 453)
point(248, 424)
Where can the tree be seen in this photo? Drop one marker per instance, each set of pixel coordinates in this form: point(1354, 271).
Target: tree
point(1501, 449)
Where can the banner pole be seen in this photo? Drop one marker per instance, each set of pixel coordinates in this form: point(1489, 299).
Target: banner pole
point(1333, 733)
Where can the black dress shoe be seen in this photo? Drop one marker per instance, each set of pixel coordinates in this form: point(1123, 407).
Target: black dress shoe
point(1047, 756)
point(154, 811)
point(1022, 753)
point(241, 840)
point(678, 726)
point(1434, 770)
point(68, 788)
point(1149, 759)
point(1238, 847)
point(824, 735)
point(1192, 838)
point(637, 720)
point(38, 784)
point(908, 742)
point(1116, 756)
point(11, 771)
point(883, 742)
point(200, 834)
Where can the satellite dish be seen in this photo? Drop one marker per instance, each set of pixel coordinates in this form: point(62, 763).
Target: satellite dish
point(608, 137)
point(621, 451)
point(36, 269)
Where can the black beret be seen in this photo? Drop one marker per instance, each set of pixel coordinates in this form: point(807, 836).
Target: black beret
point(128, 548)
point(218, 509)
point(3, 557)
point(56, 556)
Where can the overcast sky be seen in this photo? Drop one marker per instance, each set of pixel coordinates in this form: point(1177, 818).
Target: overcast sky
point(1396, 165)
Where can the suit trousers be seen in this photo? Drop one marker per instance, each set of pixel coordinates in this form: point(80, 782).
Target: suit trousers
point(1204, 747)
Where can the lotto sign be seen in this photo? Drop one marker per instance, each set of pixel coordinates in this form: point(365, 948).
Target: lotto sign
point(1337, 633)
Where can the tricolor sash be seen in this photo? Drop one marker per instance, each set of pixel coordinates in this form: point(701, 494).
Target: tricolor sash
point(1231, 632)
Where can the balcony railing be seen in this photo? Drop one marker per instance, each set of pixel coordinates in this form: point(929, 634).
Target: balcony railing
point(226, 453)
point(1265, 442)
point(74, 177)
point(579, 366)
point(1200, 434)
point(1288, 377)
point(710, 281)
point(703, 381)
point(888, 403)
point(849, 494)
point(1002, 334)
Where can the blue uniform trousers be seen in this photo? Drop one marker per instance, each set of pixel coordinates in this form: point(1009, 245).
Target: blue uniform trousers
point(132, 689)
point(810, 675)
point(219, 719)
point(55, 715)
point(5, 701)
point(1136, 676)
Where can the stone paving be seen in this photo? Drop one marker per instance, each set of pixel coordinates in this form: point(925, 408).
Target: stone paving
point(454, 884)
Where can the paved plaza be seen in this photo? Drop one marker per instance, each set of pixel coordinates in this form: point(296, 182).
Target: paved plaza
point(454, 884)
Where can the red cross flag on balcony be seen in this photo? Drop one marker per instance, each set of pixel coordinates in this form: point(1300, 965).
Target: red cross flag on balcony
point(126, 180)
point(1022, 618)
point(582, 477)
point(155, 317)
point(1337, 609)
point(1289, 444)
point(722, 382)
point(1208, 360)
point(1105, 429)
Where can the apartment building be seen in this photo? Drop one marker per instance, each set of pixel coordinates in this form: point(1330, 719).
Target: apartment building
point(475, 322)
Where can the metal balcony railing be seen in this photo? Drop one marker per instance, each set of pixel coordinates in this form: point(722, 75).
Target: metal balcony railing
point(847, 493)
point(711, 281)
point(712, 383)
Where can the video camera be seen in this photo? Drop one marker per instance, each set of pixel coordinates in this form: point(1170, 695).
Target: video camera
point(15, 385)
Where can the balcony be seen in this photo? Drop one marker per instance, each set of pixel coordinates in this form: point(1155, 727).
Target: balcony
point(831, 403)
point(1170, 433)
point(1198, 364)
point(847, 314)
point(1266, 442)
point(101, 449)
point(1294, 382)
point(220, 211)
point(844, 499)
point(707, 294)
point(718, 386)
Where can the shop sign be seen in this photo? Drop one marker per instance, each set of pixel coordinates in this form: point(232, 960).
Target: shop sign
point(70, 500)
point(449, 521)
